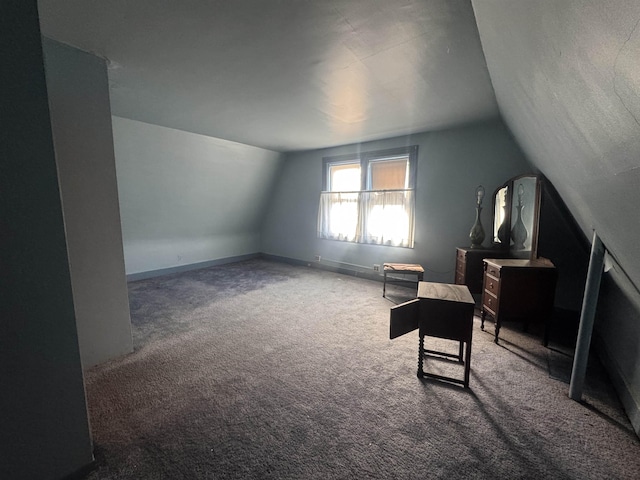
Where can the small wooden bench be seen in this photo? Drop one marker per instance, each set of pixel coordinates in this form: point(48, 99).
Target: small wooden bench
point(403, 269)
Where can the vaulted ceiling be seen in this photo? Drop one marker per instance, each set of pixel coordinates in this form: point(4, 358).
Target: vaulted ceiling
point(301, 74)
point(285, 74)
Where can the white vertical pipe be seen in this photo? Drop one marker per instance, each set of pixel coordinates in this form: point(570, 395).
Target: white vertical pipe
point(587, 317)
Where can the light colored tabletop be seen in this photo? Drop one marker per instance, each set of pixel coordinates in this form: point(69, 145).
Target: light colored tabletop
point(516, 262)
point(445, 291)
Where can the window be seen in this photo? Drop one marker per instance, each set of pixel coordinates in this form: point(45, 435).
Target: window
point(370, 197)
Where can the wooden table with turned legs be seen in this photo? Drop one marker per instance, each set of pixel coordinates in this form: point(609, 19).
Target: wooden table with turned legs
point(441, 310)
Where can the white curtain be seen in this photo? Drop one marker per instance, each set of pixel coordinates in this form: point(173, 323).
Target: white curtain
point(381, 217)
point(338, 215)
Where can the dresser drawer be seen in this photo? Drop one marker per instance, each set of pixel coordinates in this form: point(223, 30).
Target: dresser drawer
point(489, 303)
point(492, 284)
point(493, 271)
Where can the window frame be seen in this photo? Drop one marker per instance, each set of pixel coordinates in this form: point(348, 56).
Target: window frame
point(369, 201)
point(365, 158)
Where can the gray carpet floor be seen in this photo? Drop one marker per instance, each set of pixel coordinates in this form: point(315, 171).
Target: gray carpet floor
point(267, 370)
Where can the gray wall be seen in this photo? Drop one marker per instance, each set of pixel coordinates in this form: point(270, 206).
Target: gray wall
point(451, 165)
point(81, 119)
point(618, 314)
point(44, 431)
point(566, 76)
point(187, 198)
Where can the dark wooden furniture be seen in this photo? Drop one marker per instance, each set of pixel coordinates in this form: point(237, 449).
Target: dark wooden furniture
point(516, 289)
point(402, 269)
point(514, 227)
point(469, 269)
point(441, 310)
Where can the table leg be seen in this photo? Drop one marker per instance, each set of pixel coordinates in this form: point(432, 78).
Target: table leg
point(460, 359)
point(384, 284)
point(467, 364)
point(545, 340)
point(421, 357)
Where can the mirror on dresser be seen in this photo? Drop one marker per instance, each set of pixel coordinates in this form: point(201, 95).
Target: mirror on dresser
point(516, 214)
point(516, 207)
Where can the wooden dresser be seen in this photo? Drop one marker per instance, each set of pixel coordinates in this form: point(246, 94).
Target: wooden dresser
point(469, 269)
point(521, 290)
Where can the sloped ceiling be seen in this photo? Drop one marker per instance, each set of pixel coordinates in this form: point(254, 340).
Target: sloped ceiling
point(285, 74)
point(567, 79)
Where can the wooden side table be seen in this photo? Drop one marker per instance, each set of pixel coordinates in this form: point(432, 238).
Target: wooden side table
point(441, 310)
point(517, 289)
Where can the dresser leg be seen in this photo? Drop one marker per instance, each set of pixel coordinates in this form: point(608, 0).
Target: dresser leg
point(497, 330)
point(421, 356)
point(482, 317)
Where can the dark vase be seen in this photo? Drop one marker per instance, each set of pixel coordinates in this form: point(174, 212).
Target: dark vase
point(477, 232)
point(503, 231)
